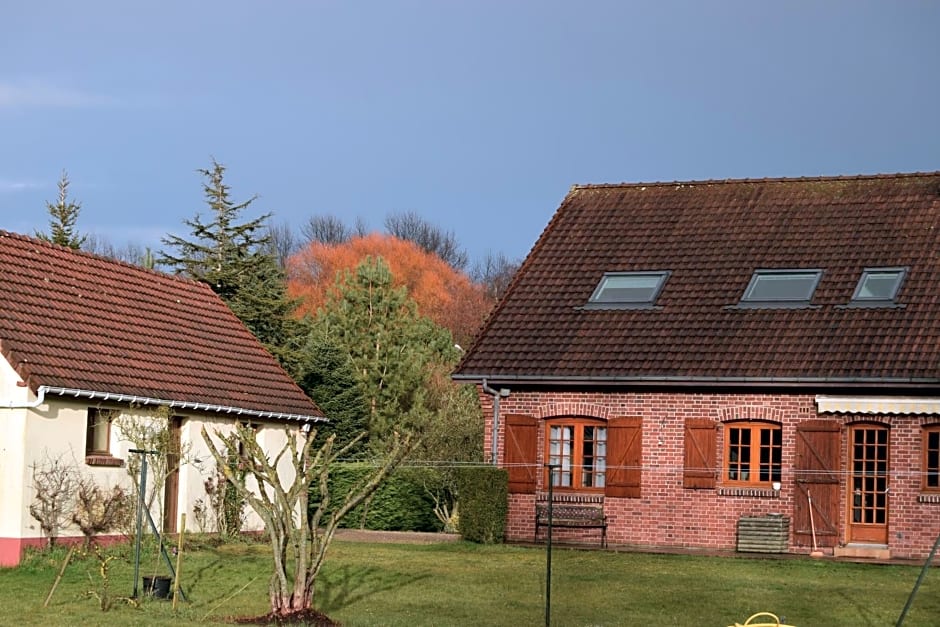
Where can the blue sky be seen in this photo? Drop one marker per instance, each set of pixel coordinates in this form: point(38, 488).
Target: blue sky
point(478, 115)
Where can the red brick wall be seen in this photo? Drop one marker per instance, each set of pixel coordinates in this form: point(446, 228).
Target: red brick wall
point(667, 515)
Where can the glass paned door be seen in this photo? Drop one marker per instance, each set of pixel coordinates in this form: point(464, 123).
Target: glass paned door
point(868, 486)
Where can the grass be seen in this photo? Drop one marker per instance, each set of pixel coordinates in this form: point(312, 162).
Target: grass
point(367, 584)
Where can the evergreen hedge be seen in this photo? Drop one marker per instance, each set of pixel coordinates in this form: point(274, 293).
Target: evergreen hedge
point(400, 504)
point(484, 493)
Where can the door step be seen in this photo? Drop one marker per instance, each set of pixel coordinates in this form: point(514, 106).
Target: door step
point(866, 551)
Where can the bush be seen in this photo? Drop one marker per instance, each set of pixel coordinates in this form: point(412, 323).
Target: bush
point(484, 492)
point(400, 504)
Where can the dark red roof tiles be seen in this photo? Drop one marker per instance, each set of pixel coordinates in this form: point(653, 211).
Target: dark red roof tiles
point(712, 235)
point(74, 320)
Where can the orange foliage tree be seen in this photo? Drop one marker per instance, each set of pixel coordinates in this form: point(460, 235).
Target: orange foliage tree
point(446, 296)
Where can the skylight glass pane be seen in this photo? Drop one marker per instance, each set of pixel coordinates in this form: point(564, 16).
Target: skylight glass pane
point(632, 287)
point(782, 285)
point(879, 284)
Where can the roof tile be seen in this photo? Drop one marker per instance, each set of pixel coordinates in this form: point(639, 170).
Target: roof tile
point(712, 235)
point(74, 320)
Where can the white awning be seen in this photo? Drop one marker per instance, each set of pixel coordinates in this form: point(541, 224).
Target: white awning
point(877, 405)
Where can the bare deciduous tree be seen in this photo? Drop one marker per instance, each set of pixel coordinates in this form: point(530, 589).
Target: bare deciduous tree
point(300, 532)
point(98, 509)
point(408, 225)
point(54, 481)
point(326, 229)
point(283, 242)
point(494, 272)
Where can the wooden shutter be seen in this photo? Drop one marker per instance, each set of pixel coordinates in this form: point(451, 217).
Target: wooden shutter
point(699, 470)
point(818, 454)
point(624, 457)
point(520, 451)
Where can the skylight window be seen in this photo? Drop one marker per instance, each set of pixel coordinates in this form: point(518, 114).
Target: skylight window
point(787, 288)
point(634, 289)
point(878, 285)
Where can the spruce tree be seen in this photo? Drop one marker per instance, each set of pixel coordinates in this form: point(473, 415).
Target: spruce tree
point(63, 216)
point(392, 348)
point(330, 380)
point(236, 259)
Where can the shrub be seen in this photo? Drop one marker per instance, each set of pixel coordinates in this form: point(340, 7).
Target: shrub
point(483, 491)
point(401, 503)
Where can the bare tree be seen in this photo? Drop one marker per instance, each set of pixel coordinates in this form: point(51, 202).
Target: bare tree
point(408, 225)
point(494, 272)
point(326, 229)
point(129, 253)
point(300, 533)
point(283, 242)
point(54, 482)
point(98, 510)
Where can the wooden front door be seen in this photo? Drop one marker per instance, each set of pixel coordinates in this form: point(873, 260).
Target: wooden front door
point(818, 445)
point(868, 484)
point(172, 486)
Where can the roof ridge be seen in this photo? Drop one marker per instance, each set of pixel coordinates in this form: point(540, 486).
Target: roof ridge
point(780, 179)
point(100, 257)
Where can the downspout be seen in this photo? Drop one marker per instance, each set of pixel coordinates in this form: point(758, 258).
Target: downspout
point(40, 399)
point(497, 394)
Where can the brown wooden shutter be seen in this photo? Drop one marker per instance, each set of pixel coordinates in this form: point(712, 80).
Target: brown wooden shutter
point(624, 457)
point(520, 452)
point(818, 454)
point(700, 443)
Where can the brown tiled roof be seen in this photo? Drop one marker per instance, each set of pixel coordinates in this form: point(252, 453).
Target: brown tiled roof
point(712, 235)
point(74, 321)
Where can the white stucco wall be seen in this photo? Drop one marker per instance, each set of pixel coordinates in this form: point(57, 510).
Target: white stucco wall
point(271, 436)
point(57, 430)
point(12, 448)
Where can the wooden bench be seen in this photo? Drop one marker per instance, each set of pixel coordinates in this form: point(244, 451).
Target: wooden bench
point(571, 515)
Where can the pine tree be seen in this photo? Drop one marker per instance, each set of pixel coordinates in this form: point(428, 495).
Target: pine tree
point(237, 261)
point(392, 348)
point(63, 216)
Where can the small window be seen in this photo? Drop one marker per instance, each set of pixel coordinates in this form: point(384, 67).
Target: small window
point(878, 285)
point(579, 450)
point(98, 432)
point(629, 288)
point(931, 444)
point(753, 453)
point(781, 287)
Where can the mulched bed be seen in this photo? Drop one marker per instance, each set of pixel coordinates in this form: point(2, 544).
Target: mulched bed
point(311, 617)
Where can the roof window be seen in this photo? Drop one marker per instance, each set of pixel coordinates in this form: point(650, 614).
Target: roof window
point(878, 286)
point(781, 288)
point(628, 289)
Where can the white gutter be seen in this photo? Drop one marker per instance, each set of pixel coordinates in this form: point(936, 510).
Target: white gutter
point(502, 392)
point(146, 400)
point(40, 399)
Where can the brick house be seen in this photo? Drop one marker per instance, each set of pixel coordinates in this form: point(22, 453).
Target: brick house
point(692, 355)
point(87, 341)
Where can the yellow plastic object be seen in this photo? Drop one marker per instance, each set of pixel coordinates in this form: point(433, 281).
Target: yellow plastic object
point(764, 616)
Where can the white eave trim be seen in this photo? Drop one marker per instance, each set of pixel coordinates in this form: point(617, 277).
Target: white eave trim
point(184, 405)
point(877, 405)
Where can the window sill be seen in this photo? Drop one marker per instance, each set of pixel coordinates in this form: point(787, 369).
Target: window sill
point(749, 492)
point(928, 497)
point(104, 460)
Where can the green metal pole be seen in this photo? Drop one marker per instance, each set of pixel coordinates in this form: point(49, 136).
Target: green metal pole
point(548, 548)
point(142, 489)
point(920, 579)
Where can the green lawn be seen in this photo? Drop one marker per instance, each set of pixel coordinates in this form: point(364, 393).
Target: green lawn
point(465, 584)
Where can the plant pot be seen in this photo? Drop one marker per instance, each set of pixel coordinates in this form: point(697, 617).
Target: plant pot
point(158, 586)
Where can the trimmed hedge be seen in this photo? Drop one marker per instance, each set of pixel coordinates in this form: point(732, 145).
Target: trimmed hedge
point(400, 504)
point(484, 493)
